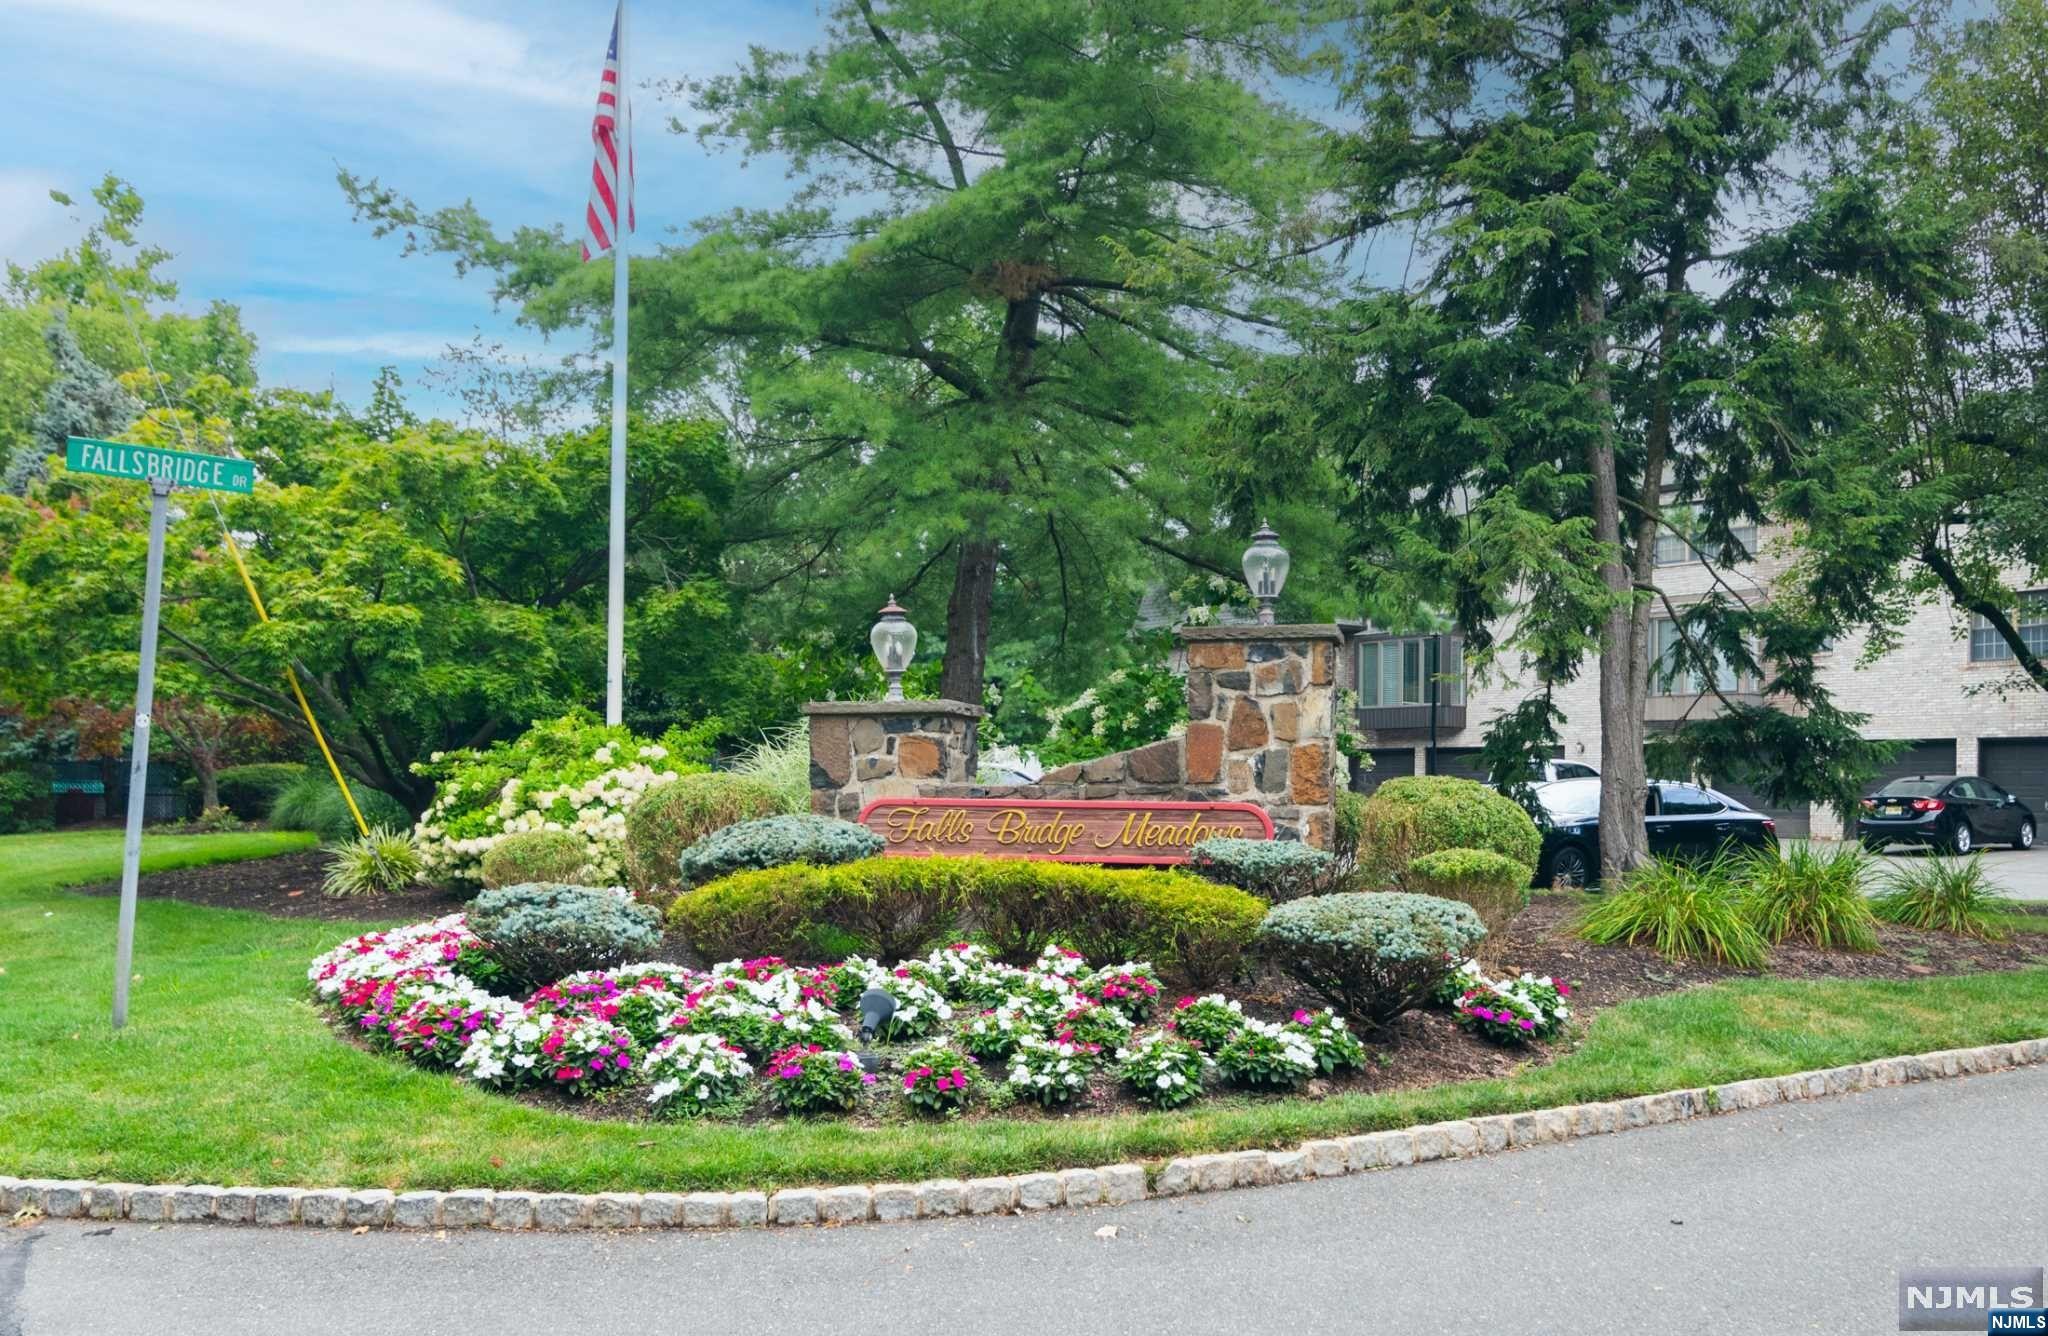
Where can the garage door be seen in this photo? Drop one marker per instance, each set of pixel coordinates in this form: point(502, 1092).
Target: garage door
point(1465, 762)
point(2018, 764)
point(1936, 756)
point(1387, 763)
point(1794, 823)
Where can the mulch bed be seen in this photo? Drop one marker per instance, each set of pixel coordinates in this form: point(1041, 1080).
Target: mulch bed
point(286, 886)
point(1422, 1048)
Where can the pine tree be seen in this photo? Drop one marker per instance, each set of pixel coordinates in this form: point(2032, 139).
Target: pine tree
point(83, 400)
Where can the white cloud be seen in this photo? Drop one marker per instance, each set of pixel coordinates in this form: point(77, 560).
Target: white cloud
point(31, 225)
point(407, 344)
point(420, 42)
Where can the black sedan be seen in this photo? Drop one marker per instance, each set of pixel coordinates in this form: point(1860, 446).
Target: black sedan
point(1953, 812)
point(1684, 821)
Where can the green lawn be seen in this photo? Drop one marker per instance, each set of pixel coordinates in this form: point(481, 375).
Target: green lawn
point(227, 1075)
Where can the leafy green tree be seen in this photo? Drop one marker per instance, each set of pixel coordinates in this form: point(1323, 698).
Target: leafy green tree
point(108, 291)
point(1597, 318)
point(1945, 495)
point(1030, 243)
point(434, 590)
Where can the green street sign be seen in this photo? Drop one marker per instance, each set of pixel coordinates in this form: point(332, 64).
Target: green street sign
point(146, 463)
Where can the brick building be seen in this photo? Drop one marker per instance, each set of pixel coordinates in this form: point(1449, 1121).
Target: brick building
point(1949, 690)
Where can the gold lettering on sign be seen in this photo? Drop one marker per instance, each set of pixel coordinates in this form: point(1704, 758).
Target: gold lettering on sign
point(1014, 826)
point(1140, 831)
point(916, 823)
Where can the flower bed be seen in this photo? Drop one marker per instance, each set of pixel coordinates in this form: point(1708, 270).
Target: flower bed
point(768, 1036)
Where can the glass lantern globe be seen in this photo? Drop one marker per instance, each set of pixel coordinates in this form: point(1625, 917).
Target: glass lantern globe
point(894, 641)
point(1265, 570)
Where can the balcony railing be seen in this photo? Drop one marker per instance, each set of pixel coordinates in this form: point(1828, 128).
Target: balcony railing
point(1410, 718)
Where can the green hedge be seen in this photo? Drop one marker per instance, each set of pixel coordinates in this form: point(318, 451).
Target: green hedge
point(1421, 814)
point(893, 908)
point(1494, 885)
point(552, 856)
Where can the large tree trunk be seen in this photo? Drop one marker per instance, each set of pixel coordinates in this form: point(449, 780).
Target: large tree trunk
point(1624, 839)
point(208, 775)
point(967, 621)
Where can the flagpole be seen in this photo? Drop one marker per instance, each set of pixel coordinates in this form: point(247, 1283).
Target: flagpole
point(615, 606)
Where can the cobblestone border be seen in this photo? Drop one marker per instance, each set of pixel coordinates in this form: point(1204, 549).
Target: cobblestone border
point(1110, 1185)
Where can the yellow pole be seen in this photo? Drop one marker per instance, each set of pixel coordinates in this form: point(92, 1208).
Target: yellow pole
point(362, 827)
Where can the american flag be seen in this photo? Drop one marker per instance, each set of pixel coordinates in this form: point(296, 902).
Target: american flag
point(601, 215)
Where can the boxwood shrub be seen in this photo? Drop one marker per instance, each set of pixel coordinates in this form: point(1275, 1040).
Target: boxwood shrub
point(535, 855)
point(1496, 886)
point(1371, 955)
point(540, 931)
point(670, 818)
point(771, 841)
point(895, 907)
point(1419, 814)
point(1273, 870)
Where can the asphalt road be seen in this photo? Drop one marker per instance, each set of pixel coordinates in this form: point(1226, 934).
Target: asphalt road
point(1788, 1219)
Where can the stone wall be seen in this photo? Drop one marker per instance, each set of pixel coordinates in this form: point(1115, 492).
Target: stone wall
point(869, 749)
point(1261, 729)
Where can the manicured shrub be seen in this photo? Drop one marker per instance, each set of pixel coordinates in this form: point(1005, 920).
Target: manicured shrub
point(1372, 956)
point(375, 864)
point(543, 931)
point(1420, 814)
point(1944, 894)
point(536, 855)
point(892, 907)
point(249, 790)
point(1496, 886)
point(772, 841)
point(1803, 893)
point(313, 802)
point(1273, 870)
point(1682, 911)
point(669, 819)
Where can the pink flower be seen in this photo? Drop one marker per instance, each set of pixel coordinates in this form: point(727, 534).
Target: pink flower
point(867, 1078)
point(1528, 1025)
point(1302, 1017)
point(846, 1062)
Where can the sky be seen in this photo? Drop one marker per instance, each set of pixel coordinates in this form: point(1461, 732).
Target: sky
point(231, 118)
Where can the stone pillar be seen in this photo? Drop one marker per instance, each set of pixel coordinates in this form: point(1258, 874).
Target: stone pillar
point(1262, 721)
point(862, 750)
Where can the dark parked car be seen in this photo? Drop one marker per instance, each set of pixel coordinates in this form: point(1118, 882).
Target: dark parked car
point(1684, 821)
point(1954, 812)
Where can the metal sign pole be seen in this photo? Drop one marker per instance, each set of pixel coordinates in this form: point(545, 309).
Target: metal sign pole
point(138, 769)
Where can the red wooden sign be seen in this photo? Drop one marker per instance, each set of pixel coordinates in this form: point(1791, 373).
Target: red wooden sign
point(1079, 831)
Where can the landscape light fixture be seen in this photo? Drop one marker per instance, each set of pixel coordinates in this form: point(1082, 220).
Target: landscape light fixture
point(894, 641)
point(1265, 570)
point(877, 1005)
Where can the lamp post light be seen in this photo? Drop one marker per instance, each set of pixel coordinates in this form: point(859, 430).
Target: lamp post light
point(894, 641)
point(1265, 570)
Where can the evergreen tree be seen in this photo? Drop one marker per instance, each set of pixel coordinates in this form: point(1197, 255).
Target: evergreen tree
point(1600, 319)
point(83, 400)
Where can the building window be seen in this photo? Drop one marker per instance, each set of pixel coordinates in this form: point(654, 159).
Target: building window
point(1679, 539)
point(1396, 672)
point(1673, 674)
point(2031, 621)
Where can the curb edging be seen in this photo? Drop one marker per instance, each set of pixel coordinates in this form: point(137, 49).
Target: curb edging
point(1107, 1185)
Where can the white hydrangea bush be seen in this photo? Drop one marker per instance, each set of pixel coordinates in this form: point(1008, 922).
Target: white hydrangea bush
point(569, 775)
